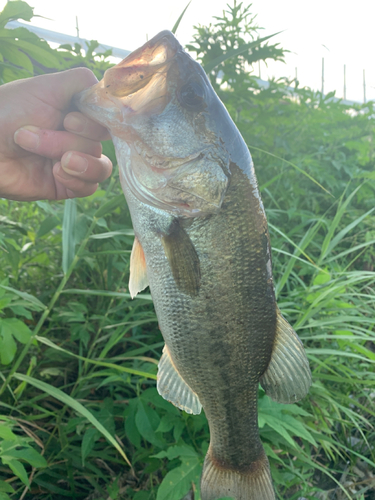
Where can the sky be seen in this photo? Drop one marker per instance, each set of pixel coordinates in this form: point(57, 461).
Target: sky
point(340, 31)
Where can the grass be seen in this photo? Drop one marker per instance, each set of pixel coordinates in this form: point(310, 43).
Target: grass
point(81, 394)
point(80, 416)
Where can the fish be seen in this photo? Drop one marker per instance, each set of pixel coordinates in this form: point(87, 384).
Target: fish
point(202, 245)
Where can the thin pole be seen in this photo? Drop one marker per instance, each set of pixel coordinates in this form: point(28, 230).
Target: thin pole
point(322, 75)
point(296, 78)
point(77, 27)
point(344, 82)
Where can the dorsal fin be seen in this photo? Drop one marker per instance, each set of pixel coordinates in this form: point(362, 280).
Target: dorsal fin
point(138, 270)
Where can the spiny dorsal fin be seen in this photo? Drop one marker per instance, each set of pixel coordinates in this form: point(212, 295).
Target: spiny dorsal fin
point(138, 269)
point(173, 387)
point(183, 259)
point(288, 377)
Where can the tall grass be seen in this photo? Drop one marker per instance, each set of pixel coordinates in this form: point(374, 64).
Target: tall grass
point(80, 415)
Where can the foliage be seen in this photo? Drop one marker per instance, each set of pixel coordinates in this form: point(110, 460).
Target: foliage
point(228, 41)
point(24, 54)
point(79, 358)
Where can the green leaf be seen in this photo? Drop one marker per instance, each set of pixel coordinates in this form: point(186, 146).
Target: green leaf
point(142, 495)
point(30, 455)
point(40, 51)
point(75, 405)
point(5, 488)
point(131, 430)
point(111, 205)
point(88, 442)
point(26, 296)
point(120, 368)
point(6, 433)
point(68, 234)
point(152, 396)
point(17, 328)
point(8, 347)
point(275, 424)
point(147, 421)
point(16, 10)
point(178, 481)
point(106, 293)
point(10, 51)
point(321, 278)
point(235, 52)
point(177, 23)
point(111, 234)
point(17, 468)
point(47, 225)
point(20, 227)
point(166, 423)
point(4, 302)
point(177, 451)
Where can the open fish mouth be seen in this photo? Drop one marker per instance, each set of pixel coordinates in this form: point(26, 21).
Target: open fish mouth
point(156, 89)
point(137, 70)
point(137, 85)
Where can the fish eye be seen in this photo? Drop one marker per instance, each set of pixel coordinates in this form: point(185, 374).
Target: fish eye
point(192, 95)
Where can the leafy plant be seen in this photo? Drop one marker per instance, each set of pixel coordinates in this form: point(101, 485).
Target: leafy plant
point(224, 48)
point(79, 358)
point(22, 53)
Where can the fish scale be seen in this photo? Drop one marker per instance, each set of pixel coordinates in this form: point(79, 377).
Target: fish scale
point(202, 244)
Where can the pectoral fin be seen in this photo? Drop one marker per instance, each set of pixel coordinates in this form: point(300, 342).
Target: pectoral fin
point(173, 387)
point(288, 377)
point(183, 259)
point(138, 270)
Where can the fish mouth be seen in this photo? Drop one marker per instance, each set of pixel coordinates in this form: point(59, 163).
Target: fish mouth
point(126, 100)
point(135, 86)
point(135, 71)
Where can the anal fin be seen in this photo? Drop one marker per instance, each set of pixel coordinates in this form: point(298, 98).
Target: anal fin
point(172, 387)
point(138, 280)
point(288, 377)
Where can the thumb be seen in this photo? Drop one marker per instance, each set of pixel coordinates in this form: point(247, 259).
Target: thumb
point(62, 86)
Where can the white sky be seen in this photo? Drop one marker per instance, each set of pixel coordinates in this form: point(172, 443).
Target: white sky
point(340, 31)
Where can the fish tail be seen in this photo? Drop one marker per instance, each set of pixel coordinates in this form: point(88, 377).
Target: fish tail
point(253, 484)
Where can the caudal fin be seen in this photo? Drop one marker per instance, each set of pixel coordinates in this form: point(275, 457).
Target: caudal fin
point(255, 484)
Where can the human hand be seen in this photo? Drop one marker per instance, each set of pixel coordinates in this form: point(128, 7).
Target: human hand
point(38, 158)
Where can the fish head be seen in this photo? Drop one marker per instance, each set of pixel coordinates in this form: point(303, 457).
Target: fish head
point(168, 126)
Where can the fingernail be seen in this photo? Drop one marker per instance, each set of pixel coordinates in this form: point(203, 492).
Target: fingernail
point(74, 123)
point(27, 137)
point(74, 164)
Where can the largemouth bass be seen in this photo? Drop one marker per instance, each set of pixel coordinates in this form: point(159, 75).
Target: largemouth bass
point(202, 245)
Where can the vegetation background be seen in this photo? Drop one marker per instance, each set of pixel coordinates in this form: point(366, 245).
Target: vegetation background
point(80, 415)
